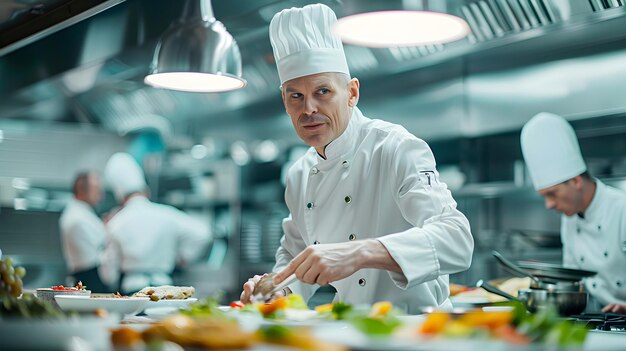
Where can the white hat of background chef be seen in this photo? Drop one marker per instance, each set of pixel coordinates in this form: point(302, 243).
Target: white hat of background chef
point(551, 150)
point(305, 42)
point(124, 175)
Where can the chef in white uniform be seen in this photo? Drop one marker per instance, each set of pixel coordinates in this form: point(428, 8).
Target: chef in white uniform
point(368, 213)
point(146, 240)
point(593, 224)
point(82, 232)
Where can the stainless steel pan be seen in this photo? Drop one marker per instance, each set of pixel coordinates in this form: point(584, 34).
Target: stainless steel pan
point(553, 271)
point(567, 303)
point(551, 278)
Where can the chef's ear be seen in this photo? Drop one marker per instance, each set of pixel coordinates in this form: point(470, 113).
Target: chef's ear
point(353, 91)
point(577, 182)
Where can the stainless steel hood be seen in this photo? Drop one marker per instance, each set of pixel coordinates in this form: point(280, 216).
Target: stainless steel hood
point(523, 56)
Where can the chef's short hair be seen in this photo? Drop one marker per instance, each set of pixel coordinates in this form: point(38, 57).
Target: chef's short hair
point(81, 181)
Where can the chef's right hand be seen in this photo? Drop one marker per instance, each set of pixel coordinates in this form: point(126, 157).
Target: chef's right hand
point(248, 288)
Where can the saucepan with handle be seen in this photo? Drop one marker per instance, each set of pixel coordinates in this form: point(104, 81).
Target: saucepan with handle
point(547, 276)
point(567, 303)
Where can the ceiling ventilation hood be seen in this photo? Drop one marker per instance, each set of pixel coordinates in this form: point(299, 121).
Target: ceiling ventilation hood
point(91, 69)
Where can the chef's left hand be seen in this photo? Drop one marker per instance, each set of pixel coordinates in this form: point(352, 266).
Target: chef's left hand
point(324, 263)
point(615, 308)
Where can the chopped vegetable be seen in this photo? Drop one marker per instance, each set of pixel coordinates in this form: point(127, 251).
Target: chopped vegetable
point(237, 304)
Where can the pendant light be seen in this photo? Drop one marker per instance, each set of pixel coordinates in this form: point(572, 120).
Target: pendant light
point(196, 54)
point(384, 29)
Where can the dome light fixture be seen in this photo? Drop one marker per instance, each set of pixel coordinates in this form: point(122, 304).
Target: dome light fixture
point(196, 54)
point(385, 29)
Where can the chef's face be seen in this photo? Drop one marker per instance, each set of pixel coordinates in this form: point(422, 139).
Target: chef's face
point(564, 197)
point(93, 193)
point(320, 106)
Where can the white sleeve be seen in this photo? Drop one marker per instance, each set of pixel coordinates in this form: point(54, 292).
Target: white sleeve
point(440, 242)
point(291, 244)
point(77, 246)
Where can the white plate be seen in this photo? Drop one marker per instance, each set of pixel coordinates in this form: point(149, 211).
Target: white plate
point(178, 303)
point(405, 338)
point(56, 334)
point(160, 312)
point(125, 306)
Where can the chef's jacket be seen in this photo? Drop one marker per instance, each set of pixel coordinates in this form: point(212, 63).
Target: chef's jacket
point(378, 181)
point(597, 242)
point(82, 236)
point(145, 242)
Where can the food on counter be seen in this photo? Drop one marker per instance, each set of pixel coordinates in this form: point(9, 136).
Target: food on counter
point(516, 326)
point(79, 286)
point(208, 306)
point(10, 278)
point(28, 306)
point(237, 304)
point(456, 289)
point(166, 292)
point(378, 320)
point(48, 294)
point(125, 337)
point(299, 338)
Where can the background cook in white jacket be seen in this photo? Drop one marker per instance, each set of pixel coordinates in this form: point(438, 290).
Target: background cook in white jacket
point(82, 232)
point(146, 240)
point(593, 224)
point(367, 211)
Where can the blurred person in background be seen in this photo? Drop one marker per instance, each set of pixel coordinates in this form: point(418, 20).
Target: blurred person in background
point(146, 240)
point(593, 221)
point(83, 233)
point(368, 213)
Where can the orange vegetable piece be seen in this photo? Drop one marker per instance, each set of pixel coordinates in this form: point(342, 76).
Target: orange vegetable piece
point(271, 307)
point(435, 323)
point(490, 320)
point(380, 309)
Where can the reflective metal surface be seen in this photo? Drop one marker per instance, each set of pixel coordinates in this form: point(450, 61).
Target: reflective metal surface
point(197, 43)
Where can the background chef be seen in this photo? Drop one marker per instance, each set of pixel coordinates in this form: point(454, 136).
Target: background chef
point(146, 240)
point(593, 222)
point(82, 232)
point(368, 213)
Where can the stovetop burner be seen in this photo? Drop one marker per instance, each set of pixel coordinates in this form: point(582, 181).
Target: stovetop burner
point(601, 321)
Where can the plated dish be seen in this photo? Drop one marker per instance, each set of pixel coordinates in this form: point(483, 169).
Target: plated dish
point(125, 306)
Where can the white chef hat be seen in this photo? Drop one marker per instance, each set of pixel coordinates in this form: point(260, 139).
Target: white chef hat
point(551, 150)
point(124, 175)
point(305, 42)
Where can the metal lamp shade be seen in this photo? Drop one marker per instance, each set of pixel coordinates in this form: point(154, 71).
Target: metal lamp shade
point(197, 56)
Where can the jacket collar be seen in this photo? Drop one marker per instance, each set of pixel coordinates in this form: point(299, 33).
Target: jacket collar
point(344, 143)
point(594, 211)
point(82, 204)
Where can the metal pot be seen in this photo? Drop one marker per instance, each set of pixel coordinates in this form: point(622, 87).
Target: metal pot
point(556, 278)
point(567, 303)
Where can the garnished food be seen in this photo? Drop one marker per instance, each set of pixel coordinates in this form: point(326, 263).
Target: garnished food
point(166, 292)
point(79, 286)
point(516, 327)
point(10, 278)
point(208, 306)
point(28, 306)
point(299, 338)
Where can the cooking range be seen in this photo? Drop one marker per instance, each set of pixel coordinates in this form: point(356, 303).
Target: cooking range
point(608, 322)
